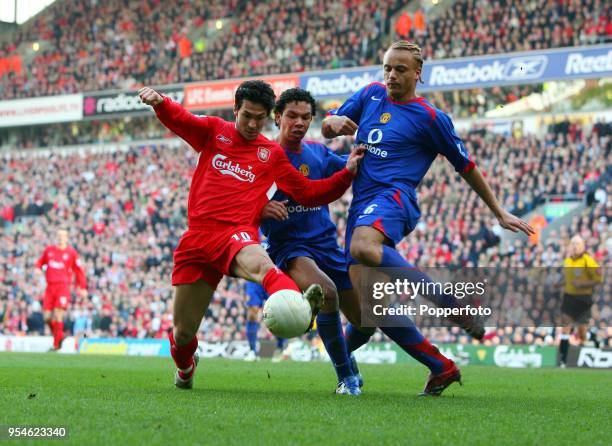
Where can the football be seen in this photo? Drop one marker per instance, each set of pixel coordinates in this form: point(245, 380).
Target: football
point(287, 314)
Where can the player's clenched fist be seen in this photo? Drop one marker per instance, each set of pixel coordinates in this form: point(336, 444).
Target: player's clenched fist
point(341, 125)
point(150, 96)
point(355, 158)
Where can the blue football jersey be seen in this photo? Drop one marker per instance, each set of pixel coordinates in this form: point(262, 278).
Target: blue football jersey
point(402, 139)
point(315, 161)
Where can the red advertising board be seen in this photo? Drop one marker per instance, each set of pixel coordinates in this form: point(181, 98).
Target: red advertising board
point(220, 94)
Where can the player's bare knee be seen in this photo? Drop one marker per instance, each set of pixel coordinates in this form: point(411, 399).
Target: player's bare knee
point(252, 263)
point(330, 294)
point(330, 304)
point(252, 313)
point(364, 252)
point(260, 268)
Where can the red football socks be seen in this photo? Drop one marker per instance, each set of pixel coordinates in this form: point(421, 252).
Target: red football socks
point(276, 280)
point(53, 331)
point(59, 334)
point(183, 354)
point(57, 331)
point(426, 349)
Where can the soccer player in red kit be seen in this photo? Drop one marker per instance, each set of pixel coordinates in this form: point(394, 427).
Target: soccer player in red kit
point(238, 171)
point(62, 262)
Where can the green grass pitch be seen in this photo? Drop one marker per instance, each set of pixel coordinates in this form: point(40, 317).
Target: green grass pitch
point(106, 400)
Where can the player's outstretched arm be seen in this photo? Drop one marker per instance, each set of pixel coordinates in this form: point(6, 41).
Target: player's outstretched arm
point(317, 192)
point(338, 125)
point(186, 125)
point(506, 220)
point(42, 260)
point(81, 280)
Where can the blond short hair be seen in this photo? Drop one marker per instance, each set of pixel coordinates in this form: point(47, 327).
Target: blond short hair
point(412, 47)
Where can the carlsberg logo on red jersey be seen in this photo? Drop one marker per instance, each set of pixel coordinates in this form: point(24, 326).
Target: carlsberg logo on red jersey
point(228, 167)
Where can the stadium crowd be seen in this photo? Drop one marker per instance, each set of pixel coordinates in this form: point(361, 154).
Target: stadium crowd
point(121, 44)
point(475, 27)
point(474, 103)
point(125, 210)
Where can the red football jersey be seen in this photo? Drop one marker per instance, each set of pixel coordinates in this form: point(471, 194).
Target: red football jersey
point(236, 177)
point(61, 265)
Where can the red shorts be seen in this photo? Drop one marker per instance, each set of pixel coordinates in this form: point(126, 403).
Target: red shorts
point(57, 295)
point(208, 253)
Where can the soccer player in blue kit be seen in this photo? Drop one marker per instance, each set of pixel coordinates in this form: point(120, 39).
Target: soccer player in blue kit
point(403, 134)
point(302, 241)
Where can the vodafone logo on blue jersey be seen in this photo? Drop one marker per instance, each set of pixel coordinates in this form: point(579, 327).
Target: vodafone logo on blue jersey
point(375, 136)
point(228, 167)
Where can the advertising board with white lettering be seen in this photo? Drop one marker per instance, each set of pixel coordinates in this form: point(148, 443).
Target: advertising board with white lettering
point(340, 83)
point(448, 74)
point(518, 69)
point(35, 344)
point(99, 105)
point(42, 110)
point(485, 71)
point(220, 94)
point(590, 357)
point(511, 356)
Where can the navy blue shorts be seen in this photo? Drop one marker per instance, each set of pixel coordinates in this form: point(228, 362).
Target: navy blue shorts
point(256, 293)
point(328, 257)
point(392, 212)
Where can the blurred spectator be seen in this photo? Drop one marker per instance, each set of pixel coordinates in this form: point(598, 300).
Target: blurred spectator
point(419, 22)
point(35, 320)
point(403, 25)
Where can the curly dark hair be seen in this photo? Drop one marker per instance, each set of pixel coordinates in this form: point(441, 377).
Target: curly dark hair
point(258, 92)
point(294, 95)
